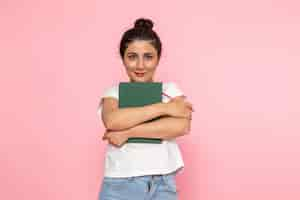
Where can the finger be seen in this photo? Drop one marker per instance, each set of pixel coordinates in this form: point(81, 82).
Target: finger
point(105, 137)
point(113, 144)
point(192, 109)
point(186, 117)
point(189, 105)
point(188, 102)
point(119, 144)
point(189, 117)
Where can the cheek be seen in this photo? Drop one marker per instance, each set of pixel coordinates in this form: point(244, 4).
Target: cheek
point(151, 63)
point(130, 64)
point(151, 66)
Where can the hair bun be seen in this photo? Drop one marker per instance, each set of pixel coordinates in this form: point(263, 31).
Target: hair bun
point(143, 23)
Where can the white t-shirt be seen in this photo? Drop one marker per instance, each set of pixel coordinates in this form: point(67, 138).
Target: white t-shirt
point(138, 159)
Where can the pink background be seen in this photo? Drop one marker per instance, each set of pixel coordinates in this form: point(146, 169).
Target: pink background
point(238, 62)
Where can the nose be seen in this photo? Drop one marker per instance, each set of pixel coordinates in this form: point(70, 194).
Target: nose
point(140, 64)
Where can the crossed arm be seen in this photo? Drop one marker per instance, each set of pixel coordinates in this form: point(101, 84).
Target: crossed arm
point(132, 122)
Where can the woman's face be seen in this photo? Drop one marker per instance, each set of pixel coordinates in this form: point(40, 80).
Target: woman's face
point(140, 60)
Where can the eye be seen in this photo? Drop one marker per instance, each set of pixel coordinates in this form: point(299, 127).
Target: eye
point(131, 57)
point(149, 57)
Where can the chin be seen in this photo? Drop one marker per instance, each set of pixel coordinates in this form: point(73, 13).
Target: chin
point(137, 79)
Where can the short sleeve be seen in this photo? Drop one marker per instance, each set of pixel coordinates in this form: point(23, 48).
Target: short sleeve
point(110, 92)
point(172, 90)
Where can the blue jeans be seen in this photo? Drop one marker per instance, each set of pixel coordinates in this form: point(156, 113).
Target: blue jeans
point(149, 187)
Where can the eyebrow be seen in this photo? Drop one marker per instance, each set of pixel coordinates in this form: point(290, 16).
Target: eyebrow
point(131, 53)
point(148, 53)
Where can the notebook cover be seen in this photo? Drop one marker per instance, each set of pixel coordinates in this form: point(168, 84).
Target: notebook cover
point(134, 94)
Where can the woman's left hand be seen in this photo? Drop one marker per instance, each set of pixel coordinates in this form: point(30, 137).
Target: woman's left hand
point(116, 138)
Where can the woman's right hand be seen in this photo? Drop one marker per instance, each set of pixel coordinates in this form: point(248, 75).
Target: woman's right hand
point(178, 107)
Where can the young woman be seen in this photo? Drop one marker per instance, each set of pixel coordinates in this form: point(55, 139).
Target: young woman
point(141, 171)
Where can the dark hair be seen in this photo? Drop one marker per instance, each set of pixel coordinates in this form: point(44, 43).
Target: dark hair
point(142, 30)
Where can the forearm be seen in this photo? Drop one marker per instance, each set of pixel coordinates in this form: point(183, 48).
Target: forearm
point(124, 118)
point(164, 128)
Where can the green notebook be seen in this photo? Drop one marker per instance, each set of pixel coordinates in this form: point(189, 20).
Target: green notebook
point(134, 94)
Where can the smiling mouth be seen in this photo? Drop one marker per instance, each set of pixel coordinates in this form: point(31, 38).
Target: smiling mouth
point(139, 74)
